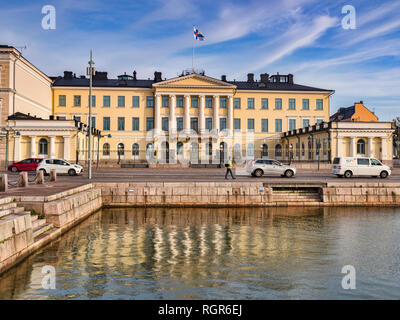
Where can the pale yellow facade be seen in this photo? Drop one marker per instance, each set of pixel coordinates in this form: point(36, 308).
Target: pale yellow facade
point(208, 93)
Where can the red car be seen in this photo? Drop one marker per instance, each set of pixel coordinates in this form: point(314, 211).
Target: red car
point(29, 164)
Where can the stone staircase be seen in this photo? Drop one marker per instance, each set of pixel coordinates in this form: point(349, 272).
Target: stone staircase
point(9, 210)
point(296, 196)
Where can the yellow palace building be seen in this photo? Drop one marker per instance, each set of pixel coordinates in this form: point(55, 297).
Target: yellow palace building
point(193, 116)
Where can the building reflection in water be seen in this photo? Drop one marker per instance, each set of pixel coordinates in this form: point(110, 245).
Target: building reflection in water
point(166, 253)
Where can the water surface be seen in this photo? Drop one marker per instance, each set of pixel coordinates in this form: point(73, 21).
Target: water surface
point(246, 253)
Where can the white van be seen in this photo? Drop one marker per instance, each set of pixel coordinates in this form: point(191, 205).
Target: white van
point(354, 166)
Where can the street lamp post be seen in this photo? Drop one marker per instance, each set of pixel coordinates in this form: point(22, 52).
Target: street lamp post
point(290, 153)
point(90, 71)
point(319, 151)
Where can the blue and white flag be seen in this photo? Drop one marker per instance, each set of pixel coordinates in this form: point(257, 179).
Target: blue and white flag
point(197, 35)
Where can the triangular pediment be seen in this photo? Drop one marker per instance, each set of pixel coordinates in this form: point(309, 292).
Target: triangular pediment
point(193, 81)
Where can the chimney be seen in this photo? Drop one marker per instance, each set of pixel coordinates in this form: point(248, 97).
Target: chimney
point(361, 102)
point(68, 75)
point(223, 78)
point(134, 74)
point(157, 76)
point(250, 77)
point(264, 77)
point(290, 78)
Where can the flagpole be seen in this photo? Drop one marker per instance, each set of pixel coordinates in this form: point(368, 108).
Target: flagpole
point(193, 52)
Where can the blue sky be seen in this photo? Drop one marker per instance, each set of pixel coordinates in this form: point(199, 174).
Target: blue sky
point(303, 37)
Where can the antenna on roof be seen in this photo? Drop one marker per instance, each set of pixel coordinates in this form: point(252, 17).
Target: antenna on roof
point(21, 48)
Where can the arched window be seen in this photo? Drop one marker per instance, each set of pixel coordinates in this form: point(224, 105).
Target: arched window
point(209, 149)
point(250, 149)
point(106, 149)
point(264, 151)
point(43, 146)
point(361, 146)
point(135, 149)
point(149, 146)
point(278, 150)
point(121, 149)
point(237, 151)
point(179, 148)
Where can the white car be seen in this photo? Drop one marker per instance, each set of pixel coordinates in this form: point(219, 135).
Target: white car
point(354, 166)
point(61, 167)
point(259, 167)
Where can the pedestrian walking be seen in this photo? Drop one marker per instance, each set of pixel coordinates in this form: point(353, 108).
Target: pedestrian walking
point(229, 167)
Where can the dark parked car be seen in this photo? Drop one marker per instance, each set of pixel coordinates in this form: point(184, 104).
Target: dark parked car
point(29, 164)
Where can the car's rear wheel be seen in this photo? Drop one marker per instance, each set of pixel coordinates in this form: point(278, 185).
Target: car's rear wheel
point(289, 173)
point(14, 169)
point(384, 174)
point(71, 172)
point(348, 174)
point(258, 173)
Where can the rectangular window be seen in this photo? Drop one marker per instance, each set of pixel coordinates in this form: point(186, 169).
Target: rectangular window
point(194, 102)
point(179, 102)
point(179, 124)
point(320, 105)
point(194, 124)
point(320, 121)
point(264, 125)
point(135, 124)
point(278, 125)
point(208, 102)
point(106, 101)
point(165, 101)
point(106, 123)
point(222, 102)
point(306, 104)
point(62, 101)
point(121, 124)
point(164, 124)
point(77, 118)
point(93, 101)
point(93, 124)
point(292, 124)
point(150, 102)
point(121, 101)
point(149, 124)
point(306, 123)
point(236, 103)
point(250, 103)
point(236, 124)
point(264, 103)
point(292, 104)
point(222, 123)
point(135, 102)
point(278, 104)
point(209, 123)
point(77, 101)
point(250, 124)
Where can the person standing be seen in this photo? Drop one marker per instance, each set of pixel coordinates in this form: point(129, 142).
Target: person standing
point(229, 167)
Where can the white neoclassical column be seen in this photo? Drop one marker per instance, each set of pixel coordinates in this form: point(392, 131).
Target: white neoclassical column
point(370, 150)
point(33, 146)
point(52, 152)
point(353, 150)
point(230, 114)
point(157, 114)
point(339, 147)
point(186, 119)
point(202, 120)
point(172, 120)
point(66, 148)
point(384, 148)
point(216, 110)
point(17, 148)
